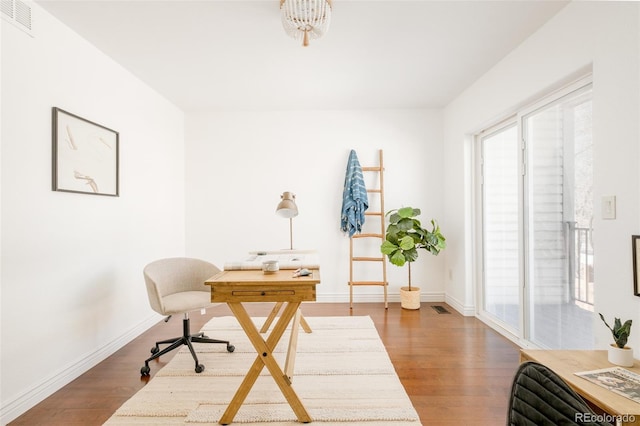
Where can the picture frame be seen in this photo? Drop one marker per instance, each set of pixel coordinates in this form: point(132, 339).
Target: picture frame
point(635, 249)
point(85, 155)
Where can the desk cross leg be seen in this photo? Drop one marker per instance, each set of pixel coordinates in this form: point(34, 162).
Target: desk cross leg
point(274, 313)
point(265, 358)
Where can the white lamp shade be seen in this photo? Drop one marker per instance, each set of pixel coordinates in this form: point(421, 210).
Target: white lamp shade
point(287, 207)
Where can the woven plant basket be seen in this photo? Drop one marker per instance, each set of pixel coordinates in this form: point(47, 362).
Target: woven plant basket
point(410, 299)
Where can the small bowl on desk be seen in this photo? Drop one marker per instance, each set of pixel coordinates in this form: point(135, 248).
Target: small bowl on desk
point(270, 267)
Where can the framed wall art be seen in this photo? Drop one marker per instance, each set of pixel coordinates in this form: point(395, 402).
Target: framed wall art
point(635, 249)
point(85, 155)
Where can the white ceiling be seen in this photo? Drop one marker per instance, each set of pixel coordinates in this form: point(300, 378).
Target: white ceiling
point(235, 54)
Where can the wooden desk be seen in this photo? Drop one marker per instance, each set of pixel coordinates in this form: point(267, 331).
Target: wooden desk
point(566, 363)
point(244, 286)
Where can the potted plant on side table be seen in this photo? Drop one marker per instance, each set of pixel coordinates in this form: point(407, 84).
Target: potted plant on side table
point(619, 353)
point(404, 236)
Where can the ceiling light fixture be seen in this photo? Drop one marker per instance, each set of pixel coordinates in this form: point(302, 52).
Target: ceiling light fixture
point(305, 19)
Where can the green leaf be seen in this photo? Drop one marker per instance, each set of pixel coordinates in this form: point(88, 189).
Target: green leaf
point(623, 334)
point(394, 218)
point(411, 255)
point(397, 259)
point(406, 212)
point(406, 243)
point(388, 247)
point(393, 234)
point(405, 224)
point(431, 238)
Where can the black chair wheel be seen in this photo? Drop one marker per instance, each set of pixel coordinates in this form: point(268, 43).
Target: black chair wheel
point(155, 350)
point(231, 348)
point(145, 370)
point(199, 368)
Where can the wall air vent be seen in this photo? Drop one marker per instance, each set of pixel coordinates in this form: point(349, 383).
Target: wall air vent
point(18, 12)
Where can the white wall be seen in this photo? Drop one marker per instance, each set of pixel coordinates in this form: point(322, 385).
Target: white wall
point(601, 35)
point(240, 162)
point(71, 283)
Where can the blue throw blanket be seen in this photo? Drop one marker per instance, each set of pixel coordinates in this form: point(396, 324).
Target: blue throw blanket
point(354, 197)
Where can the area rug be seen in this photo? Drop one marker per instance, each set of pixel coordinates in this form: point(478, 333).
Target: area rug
point(342, 375)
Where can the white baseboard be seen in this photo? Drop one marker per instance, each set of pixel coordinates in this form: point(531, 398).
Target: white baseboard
point(377, 298)
point(14, 408)
point(467, 311)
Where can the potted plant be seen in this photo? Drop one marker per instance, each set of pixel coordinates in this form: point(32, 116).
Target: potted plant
point(619, 353)
point(404, 236)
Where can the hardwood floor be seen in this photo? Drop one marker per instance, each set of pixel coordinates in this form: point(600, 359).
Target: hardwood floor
point(455, 369)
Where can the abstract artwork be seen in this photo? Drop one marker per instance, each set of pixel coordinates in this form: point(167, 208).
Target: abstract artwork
point(85, 156)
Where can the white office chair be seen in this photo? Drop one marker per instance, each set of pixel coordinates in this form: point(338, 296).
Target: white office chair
point(176, 286)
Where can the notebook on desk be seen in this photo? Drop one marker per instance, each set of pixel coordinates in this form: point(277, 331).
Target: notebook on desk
point(287, 259)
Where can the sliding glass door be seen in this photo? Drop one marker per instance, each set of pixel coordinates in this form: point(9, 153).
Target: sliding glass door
point(537, 212)
point(500, 153)
point(559, 210)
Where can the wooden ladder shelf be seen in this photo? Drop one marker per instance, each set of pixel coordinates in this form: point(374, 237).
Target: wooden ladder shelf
point(368, 238)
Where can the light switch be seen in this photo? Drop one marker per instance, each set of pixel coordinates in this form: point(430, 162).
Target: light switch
point(609, 207)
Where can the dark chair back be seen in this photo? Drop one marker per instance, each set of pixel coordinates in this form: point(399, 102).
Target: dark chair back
point(539, 397)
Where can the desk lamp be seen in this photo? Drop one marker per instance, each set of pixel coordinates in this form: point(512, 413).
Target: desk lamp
point(287, 208)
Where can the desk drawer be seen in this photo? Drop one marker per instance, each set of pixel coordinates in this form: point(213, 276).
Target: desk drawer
point(267, 293)
point(258, 293)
